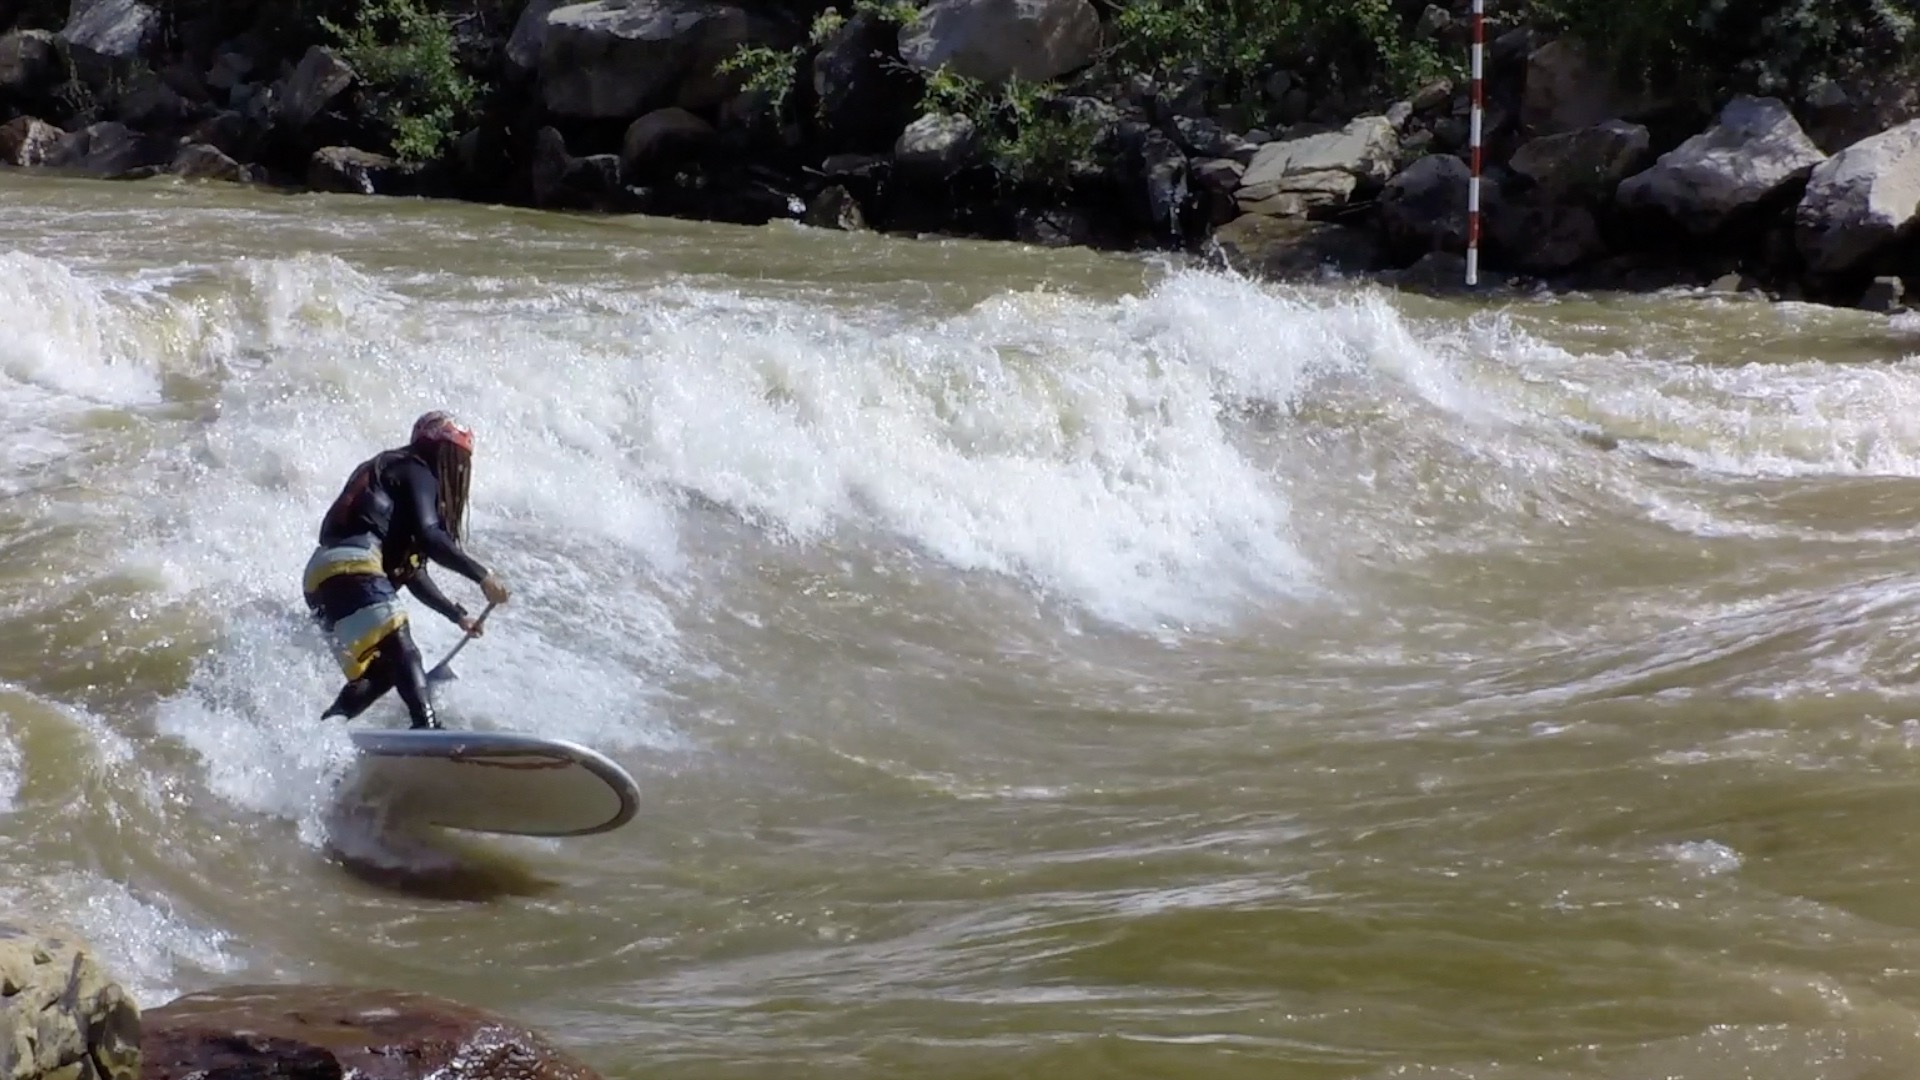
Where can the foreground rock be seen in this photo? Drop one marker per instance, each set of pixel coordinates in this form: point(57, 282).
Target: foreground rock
point(283, 1032)
point(1294, 249)
point(1755, 151)
point(1291, 177)
point(61, 1014)
point(1861, 201)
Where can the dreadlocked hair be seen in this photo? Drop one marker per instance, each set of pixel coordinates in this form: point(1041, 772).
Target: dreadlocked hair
point(454, 467)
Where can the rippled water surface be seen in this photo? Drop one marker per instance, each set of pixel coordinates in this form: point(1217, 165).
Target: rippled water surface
point(1036, 664)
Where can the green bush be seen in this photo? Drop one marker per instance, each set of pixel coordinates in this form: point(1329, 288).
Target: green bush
point(1027, 141)
point(406, 58)
point(1357, 45)
point(1712, 48)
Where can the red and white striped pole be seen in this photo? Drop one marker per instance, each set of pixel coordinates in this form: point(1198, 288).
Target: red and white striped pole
point(1473, 180)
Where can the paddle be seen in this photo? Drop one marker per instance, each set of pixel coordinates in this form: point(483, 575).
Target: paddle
point(441, 672)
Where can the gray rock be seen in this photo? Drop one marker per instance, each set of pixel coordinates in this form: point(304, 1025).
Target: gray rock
point(29, 63)
point(347, 170)
point(1827, 94)
point(529, 36)
point(670, 134)
point(1205, 138)
point(1588, 163)
point(146, 100)
point(1433, 95)
point(111, 29)
point(1436, 271)
point(1754, 150)
point(835, 208)
point(1285, 249)
point(319, 78)
point(1399, 114)
point(1567, 90)
point(1544, 237)
point(1424, 208)
point(1164, 170)
point(26, 142)
point(613, 59)
point(1297, 194)
point(865, 96)
point(936, 144)
point(997, 40)
point(199, 161)
point(110, 149)
point(1218, 175)
point(1861, 201)
point(1287, 177)
point(229, 70)
point(562, 181)
point(1884, 295)
point(62, 1014)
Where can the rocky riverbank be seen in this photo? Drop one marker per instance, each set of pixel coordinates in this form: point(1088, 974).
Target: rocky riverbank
point(1004, 119)
point(63, 1017)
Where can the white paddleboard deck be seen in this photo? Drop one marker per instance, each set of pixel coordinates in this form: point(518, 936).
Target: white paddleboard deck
point(489, 781)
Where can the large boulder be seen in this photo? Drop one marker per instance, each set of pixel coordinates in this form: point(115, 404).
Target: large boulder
point(1567, 89)
point(529, 37)
point(26, 142)
point(320, 77)
point(277, 1032)
point(662, 140)
point(865, 96)
point(1541, 236)
point(1860, 201)
point(561, 181)
point(111, 149)
point(998, 40)
point(111, 30)
point(29, 64)
point(61, 1013)
point(1163, 172)
point(1285, 249)
point(199, 161)
point(936, 145)
point(1424, 207)
point(617, 59)
point(1587, 163)
point(349, 170)
point(1752, 153)
point(1288, 178)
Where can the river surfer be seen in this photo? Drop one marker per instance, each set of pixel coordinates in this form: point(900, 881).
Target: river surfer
point(398, 510)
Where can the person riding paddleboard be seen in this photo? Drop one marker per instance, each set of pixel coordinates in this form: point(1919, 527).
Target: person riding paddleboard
point(397, 511)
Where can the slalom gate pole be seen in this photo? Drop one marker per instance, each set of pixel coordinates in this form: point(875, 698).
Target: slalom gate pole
point(1473, 180)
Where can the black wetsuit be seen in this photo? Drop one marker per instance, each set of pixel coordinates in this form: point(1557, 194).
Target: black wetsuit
point(392, 499)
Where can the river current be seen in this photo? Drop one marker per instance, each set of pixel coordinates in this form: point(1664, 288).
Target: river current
point(1035, 663)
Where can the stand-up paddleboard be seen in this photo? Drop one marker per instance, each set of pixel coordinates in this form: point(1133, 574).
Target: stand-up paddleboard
point(484, 781)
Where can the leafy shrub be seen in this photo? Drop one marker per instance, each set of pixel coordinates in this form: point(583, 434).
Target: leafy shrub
point(1716, 47)
point(406, 57)
point(1028, 141)
point(1360, 45)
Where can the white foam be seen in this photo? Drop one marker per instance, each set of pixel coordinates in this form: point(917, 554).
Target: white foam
point(149, 948)
point(1707, 856)
point(10, 776)
point(92, 340)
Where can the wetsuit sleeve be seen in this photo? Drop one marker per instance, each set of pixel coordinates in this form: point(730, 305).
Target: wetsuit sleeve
point(419, 498)
point(429, 593)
